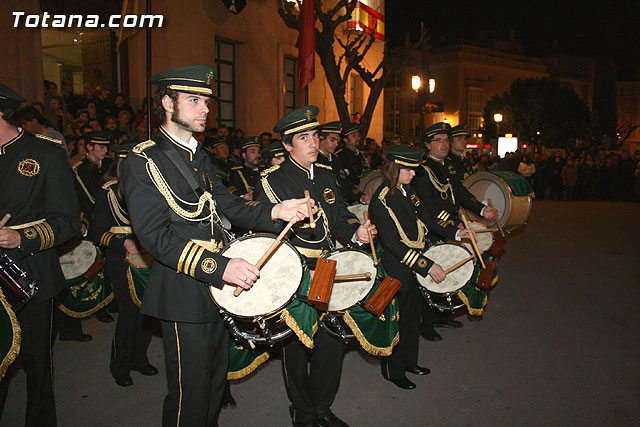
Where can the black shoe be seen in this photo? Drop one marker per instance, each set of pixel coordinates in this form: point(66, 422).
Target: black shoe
point(430, 334)
point(403, 383)
point(77, 338)
point(147, 370)
point(330, 420)
point(227, 398)
point(123, 380)
point(445, 322)
point(103, 316)
point(418, 370)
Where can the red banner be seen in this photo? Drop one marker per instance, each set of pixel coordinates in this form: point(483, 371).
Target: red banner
point(307, 44)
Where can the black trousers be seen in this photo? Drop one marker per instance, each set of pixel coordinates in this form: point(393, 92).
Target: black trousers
point(133, 331)
point(312, 377)
point(405, 353)
point(197, 359)
point(35, 320)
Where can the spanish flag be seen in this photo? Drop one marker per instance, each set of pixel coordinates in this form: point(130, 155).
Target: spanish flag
point(364, 18)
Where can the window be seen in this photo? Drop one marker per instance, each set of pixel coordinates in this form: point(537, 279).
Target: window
point(225, 64)
point(391, 107)
point(475, 103)
point(289, 84)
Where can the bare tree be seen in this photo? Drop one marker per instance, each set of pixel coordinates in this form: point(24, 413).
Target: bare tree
point(338, 66)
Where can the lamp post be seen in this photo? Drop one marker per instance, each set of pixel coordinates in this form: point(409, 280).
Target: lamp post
point(497, 117)
point(422, 98)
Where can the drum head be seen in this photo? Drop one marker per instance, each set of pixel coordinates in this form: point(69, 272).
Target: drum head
point(484, 240)
point(279, 278)
point(77, 261)
point(370, 182)
point(345, 295)
point(486, 186)
point(358, 210)
point(447, 255)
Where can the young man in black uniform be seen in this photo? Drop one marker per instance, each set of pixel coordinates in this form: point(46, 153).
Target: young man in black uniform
point(37, 190)
point(458, 165)
point(443, 195)
point(243, 179)
point(176, 205)
point(311, 389)
point(350, 164)
point(330, 134)
point(90, 170)
point(273, 154)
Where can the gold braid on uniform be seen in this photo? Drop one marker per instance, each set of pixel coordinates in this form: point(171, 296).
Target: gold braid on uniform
point(244, 181)
point(442, 188)
point(271, 195)
point(163, 187)
point(322, 215)
point(422, 229)
point(116, 209)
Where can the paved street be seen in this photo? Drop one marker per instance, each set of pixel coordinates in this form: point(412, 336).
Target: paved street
point(558, 345)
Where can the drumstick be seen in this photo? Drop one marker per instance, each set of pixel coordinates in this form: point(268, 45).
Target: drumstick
point(67, 262)
point(373, 247)
point(312, 221)
point(473, 239)
point(346, 277)
point(271, 249)
point(486, 230)
point(497, 220)
point(456, 266)
point(5, 219)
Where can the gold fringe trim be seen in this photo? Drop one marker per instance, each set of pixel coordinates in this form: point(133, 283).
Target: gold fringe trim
point(366, 345)
point(87, 313)
point(291, 322)
point(472, 311)
point(132, 288)
point(15, 339)
point(416, 244)
point(249, 369)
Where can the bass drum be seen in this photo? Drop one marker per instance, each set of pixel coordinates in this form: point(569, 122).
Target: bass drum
point(254, 315)
point(370, 182)
point(509, 192)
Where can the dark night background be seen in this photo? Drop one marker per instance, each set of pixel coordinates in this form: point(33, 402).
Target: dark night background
point(607, 31)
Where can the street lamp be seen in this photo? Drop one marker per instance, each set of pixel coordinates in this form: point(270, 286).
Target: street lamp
point(497, 117)
point(416, 83)
point(432, 85)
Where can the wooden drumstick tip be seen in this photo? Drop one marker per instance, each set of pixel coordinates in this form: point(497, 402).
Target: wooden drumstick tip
point(5, 219)
point(497, 220)
point(373, 246)
point(312, 221)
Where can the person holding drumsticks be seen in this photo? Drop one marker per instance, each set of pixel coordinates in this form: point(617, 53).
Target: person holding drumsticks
point(403, 223)
point(312, 378)
point(443, 194)
point(178, 208)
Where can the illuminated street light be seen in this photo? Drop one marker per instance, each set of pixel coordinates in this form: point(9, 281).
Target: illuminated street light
point(432, 85)
point(416, 83)
point(497, 117)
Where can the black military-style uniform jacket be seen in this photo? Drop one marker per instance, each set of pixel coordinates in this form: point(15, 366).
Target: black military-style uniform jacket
point(220, 167)
point(289, 180)
point(458, 166)
point(442, 194)
point(37, 188)
point(88, 185)
point(242, 180)
point(349, 166)
point(177, 288)
point(403, 222)
point(327, 159)
point(110, 211)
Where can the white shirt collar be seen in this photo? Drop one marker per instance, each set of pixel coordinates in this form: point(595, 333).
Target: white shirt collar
point(192, 144)
point(404, 192)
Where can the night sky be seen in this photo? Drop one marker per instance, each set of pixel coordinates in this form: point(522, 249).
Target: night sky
point(606, 30)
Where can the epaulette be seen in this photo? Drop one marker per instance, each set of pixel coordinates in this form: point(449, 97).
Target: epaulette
point(383, 193)
point(236, 168)
point(76, 164)
point(108, 184)
point(143, 146)
point(48, 138)
point(266, 172)
point(320, 165)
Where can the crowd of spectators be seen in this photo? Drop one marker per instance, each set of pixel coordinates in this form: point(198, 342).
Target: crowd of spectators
point(576, 175)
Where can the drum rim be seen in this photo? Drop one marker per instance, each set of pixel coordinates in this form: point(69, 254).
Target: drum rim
point(352, 249)
point(293, 296)
point(424, 252)
point(491, 176)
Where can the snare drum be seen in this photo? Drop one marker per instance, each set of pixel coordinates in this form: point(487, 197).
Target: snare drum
point(443, 296)
point(346, 319)
point(84, 297)
point(484, 240)
point(262, 314)
point(17, 286)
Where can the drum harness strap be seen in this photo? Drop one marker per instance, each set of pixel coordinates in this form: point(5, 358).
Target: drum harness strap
point(422, 229)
